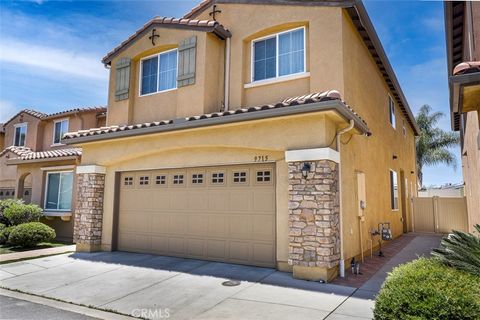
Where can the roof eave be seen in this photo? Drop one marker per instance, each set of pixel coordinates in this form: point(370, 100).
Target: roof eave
point(183, 124)
point(17, 161)
point(217, 30)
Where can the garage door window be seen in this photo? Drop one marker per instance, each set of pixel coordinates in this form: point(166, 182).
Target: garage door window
point(128, 181)
point(144, 180)
point(264, 176)
point(218, 177)
point(160, 180)
point(240, 177)
point(178, 179)
point(58, 195)
point(197, 178)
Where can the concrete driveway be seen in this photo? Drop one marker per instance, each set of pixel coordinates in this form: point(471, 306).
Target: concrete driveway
point(159, 287)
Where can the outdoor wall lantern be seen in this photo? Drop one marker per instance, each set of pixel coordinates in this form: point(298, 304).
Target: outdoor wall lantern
point(305, 169)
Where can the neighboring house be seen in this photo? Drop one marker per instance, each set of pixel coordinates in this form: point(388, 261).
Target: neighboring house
point(446, 191)
point(37, 167)
point(234, 140)
point(463, 54)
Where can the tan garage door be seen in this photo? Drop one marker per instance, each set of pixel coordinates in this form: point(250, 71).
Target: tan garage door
point(219, 213)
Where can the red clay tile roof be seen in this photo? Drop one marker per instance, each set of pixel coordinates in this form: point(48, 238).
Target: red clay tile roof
point(24, 153)
point(295, 102)
point(43, 116)
point(467, 67)
point(200, 25)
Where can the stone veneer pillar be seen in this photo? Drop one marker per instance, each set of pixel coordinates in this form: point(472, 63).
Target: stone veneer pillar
point(314, 235)
point(87, 230)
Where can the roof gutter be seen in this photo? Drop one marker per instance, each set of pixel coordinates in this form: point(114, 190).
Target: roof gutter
point(183, 124)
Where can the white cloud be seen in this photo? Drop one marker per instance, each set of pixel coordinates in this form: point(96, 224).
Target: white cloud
point(435, 23)
point(52, 59)
point(7, 110)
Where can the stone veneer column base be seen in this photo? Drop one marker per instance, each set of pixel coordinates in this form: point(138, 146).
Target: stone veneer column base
point(314, 236)
point(87, 230)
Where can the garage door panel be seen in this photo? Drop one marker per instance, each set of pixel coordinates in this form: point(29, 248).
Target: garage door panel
point(177, 224)
point(239, 251)
point(203, 216)
point(176, 245)
point(196, 248)
point(197, 224)
point(217, 249)
point(240, 200)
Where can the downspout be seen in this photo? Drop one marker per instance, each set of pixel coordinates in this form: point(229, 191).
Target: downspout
point(342, 257)
point(226, 100)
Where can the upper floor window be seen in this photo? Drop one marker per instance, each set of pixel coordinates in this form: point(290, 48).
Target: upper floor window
point(278, 55)
point(20, 135)
point(159, 73)
point(391, 111)
point(60, 128)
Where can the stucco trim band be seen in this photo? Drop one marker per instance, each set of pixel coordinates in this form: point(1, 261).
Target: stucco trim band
point(69, 167)
point(312, 155)
point(91, 169)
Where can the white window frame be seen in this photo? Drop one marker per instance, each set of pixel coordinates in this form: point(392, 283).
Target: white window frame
point(391, 107)
point(392, 190)
point(46, 192)
point(276, 35)
point(54, 127)
point(158, 73)
point(23, 124)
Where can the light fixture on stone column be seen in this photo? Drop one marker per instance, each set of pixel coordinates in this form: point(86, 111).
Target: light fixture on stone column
point(305, 169)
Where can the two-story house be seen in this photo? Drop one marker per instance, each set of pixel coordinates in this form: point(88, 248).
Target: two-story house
point(267, 133)
point(37, 167)
point(462, 25)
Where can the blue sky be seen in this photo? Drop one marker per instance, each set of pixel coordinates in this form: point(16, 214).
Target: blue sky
point(50, 53)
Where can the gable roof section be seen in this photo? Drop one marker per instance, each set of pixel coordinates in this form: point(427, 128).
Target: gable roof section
point(192, 24)
point(45, 116)
point(315, 102)
point(25, 154)
point(361, 21)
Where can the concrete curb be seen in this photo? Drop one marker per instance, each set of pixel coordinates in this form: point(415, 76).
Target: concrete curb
point(94, 313)
point(35, 253)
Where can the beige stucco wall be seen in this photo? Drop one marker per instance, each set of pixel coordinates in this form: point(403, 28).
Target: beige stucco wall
point(238, 143)
point(367, 92)
point(202, 97)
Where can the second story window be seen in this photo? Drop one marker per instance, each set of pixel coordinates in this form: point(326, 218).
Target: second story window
point(391, 111)
point(278, 55)
point(159, 73)
point(60, 128)
point(20, 135)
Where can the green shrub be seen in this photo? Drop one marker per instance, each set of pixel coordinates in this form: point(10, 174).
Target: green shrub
point(461, 250)
point(3, 236)
point(18, 213)
point(428, 289)
point(4, 204)
point(30, 234)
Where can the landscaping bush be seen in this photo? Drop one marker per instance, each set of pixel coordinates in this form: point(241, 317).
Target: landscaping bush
point(3, 234)
point(29, 234)
point(18, 213)
point(4, 204)
point(461, 250)
point(428, 289)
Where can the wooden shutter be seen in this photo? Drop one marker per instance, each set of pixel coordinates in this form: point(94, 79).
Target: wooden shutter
point(122, 80)
point(186, 62)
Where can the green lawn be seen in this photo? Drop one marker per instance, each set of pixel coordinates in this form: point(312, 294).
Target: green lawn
point(4, 249)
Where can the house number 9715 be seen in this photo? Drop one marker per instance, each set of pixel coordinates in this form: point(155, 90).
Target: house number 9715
point(260, 158)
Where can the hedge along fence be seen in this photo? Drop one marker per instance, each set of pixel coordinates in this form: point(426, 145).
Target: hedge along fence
point(428, 289)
